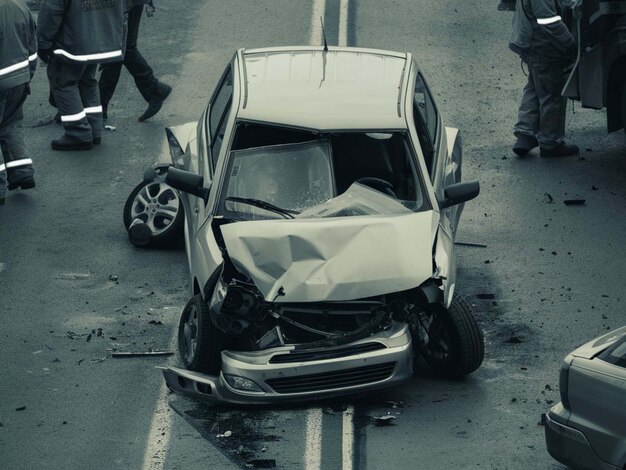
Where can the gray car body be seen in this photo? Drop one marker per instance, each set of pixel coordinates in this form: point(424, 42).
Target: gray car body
point(589, 430)
point(190, 149)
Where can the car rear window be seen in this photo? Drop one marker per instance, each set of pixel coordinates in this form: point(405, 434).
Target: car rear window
point(616, 354)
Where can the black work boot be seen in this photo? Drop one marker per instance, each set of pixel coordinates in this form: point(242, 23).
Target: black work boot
point(67, 142)
point(561, 150)
point(524, 144)
point(154, 105)
point(24, 183)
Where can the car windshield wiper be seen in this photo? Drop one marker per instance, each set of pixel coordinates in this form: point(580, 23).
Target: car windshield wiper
point(286, 213)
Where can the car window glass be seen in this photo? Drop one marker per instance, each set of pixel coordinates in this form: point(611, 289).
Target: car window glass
point(220, 102)
point(425, 141)
point(293, 177)
point(426, 106)
point(616, 354)
point(218, 138)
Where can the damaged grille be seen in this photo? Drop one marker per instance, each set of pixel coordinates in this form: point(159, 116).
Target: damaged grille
point(332, 380)
point(305, 356)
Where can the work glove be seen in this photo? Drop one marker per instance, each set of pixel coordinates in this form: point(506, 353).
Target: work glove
point(44, 55)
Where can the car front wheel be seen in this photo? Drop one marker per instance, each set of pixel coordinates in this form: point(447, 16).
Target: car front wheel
point(200, 343)
point(155, 211)
point(451, 341)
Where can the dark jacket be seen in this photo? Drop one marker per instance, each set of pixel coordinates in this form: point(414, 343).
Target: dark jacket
point(85, 31)
point(539, 32)
point(18, 44)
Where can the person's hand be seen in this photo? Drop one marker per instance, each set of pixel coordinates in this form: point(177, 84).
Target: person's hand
point(44, 55)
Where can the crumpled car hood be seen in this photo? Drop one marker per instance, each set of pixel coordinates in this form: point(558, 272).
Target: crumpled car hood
point(333, 259)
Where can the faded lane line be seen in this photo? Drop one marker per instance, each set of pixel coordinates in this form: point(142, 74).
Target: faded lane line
point(319, 8)
point(159, 436)
point(344, 13)
point(347, 447)
point(313, 440)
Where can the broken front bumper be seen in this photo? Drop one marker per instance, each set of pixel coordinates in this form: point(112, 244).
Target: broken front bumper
point(288, 374)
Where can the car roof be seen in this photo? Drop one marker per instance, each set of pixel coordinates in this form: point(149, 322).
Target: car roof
point(339, 89)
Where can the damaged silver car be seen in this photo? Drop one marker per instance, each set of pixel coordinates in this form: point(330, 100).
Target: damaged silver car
point(321, 196)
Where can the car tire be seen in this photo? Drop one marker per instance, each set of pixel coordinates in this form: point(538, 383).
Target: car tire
point(456, 346)
point(164, 220)
point(200, 342)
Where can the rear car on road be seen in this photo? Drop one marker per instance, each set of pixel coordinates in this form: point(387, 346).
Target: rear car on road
point(321, 197)
point(587, 429)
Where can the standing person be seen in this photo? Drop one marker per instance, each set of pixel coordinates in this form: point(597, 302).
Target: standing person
point(544, 43)
point(74, 36)
point(18, 60)
point(152, 90)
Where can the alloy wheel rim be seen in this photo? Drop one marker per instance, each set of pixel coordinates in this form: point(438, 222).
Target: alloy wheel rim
point(157, 205)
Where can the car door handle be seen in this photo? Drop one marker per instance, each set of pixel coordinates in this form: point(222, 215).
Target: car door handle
point(196, 210)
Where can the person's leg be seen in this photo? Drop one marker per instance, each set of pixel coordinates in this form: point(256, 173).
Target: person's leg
point(19, 168)
point(136, 64)
point(64, 77)
point(88, 88)
point(552, 105)
point(527, 124)
point(109, 78)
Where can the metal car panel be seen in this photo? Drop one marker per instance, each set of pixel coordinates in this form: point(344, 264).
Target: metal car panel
point(596, 346)
point(259, 367)
point(324, 90)
point(333, 259)
point(597, 396)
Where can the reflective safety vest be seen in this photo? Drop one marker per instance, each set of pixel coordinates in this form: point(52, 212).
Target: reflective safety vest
point(18, 44)
point(84, 31)
point(539, 31)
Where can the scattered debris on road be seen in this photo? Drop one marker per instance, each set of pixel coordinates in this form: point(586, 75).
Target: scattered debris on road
point(488, 296)
point(155, 322)
point(225, 434)
point(384, 420)
point(20, 408)
point(473, 245)
point(514, 339)
point(261, 463)
point(547, 198)
point(141, 353)
point(575, 202)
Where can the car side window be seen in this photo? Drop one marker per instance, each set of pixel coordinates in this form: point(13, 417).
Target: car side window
point(616, 354)
point(218, 114)
point(426, 106)
point(425, 140)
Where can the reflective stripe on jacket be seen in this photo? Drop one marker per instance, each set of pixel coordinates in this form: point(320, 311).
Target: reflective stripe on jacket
point(18, 44)
point(539, 31)
point(86, 31)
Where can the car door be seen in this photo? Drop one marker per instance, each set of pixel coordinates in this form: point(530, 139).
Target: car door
point(437, 162)
point(597, 395)
point(205, 256)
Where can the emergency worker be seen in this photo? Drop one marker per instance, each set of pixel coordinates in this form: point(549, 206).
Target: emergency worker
point(74, 36)
point(544, 43)
point(18, 60)
point(153, 91)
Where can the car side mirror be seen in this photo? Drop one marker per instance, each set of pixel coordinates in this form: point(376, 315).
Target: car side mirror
point(187, 182)
point(458, 193)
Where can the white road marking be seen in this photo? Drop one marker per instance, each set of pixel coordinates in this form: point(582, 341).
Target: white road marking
point(347, 446)
point(343, 23)
point(313, 440)
point(319, 8)
point(159, 436)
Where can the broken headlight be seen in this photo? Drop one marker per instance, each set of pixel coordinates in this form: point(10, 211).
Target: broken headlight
point(242, 383)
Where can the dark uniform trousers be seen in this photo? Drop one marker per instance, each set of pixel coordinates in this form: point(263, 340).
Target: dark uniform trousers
point(137, 66)
point(75, 91)
point(542, 110)
point(14, 165)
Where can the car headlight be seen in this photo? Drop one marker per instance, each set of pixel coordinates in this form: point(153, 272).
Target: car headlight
point(242, 383)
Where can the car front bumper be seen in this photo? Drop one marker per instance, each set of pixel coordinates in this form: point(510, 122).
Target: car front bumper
point(570, 446)
point(286, 374)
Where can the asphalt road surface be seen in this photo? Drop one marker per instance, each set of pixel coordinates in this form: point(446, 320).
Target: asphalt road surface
point(546, 278)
